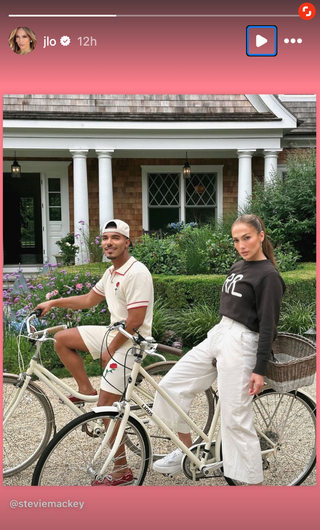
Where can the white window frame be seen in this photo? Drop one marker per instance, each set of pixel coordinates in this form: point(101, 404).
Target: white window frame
point(178, 169)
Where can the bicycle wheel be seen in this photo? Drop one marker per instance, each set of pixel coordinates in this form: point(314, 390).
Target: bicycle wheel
point(201, 411)
point(28, 430)
point(289, 421)
point(69, 459)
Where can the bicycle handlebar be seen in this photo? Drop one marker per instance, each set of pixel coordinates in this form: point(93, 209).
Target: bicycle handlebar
point(48, 331)
point(149, 341)
point(169, 349)
point(34, 334)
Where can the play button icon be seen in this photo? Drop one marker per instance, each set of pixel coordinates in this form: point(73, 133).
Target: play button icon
point(262, 41)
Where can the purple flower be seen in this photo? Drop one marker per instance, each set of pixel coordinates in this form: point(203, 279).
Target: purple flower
point(103, 311)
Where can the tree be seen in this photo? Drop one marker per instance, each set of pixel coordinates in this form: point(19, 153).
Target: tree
point(288, 206)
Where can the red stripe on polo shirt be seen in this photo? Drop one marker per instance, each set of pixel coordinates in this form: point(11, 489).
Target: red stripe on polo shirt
point(95, 288)
point(142, 302)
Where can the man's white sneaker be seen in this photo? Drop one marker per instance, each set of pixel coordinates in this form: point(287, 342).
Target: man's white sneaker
point(171, 463)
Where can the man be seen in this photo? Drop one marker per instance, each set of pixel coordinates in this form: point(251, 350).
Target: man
point(128, 289)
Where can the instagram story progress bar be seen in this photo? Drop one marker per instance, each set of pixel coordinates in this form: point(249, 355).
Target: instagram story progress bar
point(262, 41)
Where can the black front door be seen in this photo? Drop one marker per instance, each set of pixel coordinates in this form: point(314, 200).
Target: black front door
point(22, 222)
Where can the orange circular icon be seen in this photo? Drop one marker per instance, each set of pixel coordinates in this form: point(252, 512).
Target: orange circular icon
point(307, 11)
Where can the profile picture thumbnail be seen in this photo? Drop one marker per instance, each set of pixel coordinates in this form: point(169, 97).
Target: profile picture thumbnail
point(22, 41)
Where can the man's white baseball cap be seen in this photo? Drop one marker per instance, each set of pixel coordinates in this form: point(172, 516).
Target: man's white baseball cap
point(116, 226)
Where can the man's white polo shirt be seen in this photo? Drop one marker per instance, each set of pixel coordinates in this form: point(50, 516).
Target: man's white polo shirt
point(127, 288)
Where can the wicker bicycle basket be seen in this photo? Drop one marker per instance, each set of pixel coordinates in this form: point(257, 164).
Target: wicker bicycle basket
point(294, 363)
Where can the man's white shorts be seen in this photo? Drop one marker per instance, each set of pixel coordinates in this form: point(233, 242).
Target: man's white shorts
point(116, 373)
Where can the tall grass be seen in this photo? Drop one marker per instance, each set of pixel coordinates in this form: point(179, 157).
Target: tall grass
point(297, 318)
point(194, 323)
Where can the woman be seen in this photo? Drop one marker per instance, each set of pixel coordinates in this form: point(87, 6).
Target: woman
point(241, 344)
point(22, 41)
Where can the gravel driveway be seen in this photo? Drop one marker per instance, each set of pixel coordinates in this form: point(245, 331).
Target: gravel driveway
point(64, 415)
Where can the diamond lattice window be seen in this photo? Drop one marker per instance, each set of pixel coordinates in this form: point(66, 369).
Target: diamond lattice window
point(164, 199)
point(164, 189)
point(201, 190)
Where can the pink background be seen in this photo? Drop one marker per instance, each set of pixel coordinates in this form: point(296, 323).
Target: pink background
point(162, 55)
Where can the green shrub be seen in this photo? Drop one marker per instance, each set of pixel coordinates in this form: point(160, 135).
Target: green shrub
point(300, 284)
point(160, 256)
point(182, 292)
point(221, 253)
point(68, 249)
point(286, 257)
point(288, 207)
point(199, 250)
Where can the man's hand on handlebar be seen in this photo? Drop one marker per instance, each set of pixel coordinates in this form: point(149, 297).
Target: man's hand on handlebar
point(44, 307)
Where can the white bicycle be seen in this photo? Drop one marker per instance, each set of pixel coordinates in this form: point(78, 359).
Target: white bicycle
point(285, 424)
point(28, 415)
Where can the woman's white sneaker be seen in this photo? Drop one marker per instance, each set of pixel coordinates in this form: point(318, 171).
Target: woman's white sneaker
point(171, 463)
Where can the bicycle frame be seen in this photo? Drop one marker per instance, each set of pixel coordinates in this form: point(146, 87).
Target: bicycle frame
point(46, 377)
point(200, 463)
point(123, 407)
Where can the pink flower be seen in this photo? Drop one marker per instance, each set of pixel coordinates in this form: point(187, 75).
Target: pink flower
point(53, 293)
point(78, 285)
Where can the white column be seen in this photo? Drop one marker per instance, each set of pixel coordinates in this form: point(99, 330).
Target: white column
point(244, 175)
point(270, 163)
point(81, 203)
point(105, 186)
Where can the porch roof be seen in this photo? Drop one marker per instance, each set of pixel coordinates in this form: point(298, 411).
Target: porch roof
point(135, 107)
point(305, 111)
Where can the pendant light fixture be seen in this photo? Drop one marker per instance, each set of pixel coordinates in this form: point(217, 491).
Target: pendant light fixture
point(186, 169)
point(15, 168)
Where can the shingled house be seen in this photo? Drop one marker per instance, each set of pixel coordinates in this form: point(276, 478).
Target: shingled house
point(90, 158)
